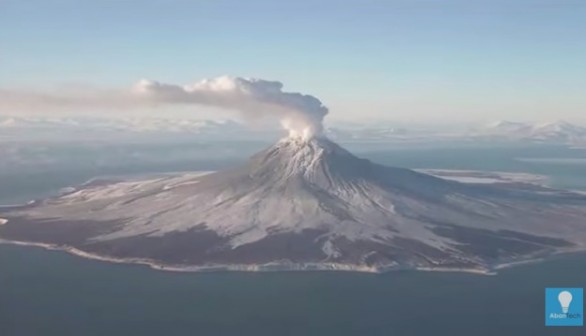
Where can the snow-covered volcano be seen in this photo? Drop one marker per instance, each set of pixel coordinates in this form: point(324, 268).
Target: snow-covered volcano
point(306, 204)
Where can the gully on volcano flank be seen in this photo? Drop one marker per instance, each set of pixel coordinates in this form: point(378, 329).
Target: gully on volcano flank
point(306, 203)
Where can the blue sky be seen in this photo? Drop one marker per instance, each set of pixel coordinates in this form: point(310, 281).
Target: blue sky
point(417, 60)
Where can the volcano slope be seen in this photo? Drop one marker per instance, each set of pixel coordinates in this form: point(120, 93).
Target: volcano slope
point(306, 204)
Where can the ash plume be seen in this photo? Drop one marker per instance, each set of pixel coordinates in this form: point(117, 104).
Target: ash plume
point(254, 99)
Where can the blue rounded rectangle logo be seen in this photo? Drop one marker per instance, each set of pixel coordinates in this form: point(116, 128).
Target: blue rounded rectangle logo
point(564, 306)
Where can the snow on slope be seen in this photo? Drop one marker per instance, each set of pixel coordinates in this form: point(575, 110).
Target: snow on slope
point(308, 202)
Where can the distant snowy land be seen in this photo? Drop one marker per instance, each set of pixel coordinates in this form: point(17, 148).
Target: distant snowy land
point(558, 132)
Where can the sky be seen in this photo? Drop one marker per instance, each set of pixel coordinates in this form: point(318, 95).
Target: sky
point(390, 60)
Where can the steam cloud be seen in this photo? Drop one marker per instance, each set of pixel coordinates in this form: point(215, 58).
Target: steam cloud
point(253, 98)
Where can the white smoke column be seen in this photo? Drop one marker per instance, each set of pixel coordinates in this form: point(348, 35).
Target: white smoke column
point(254, 99)
point(300, 114)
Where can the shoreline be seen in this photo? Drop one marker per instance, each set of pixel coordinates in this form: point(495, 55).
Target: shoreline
point(288, 266)
point(281, 267)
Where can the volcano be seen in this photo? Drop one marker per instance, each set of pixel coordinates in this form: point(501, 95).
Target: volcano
point(306, 204)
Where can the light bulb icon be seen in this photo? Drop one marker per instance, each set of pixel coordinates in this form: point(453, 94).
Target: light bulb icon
point(565, 298)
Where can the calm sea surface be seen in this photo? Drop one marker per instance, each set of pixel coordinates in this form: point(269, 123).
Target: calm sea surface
point(53, 293)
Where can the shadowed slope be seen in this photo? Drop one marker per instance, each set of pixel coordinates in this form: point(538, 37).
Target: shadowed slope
point(308, 202)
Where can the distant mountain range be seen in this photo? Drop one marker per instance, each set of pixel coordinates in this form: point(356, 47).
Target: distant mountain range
point(129, 128)
point(555, 132)
point(559, 132)
point(128, 124)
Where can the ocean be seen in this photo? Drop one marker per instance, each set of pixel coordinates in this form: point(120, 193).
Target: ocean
point(53, 293)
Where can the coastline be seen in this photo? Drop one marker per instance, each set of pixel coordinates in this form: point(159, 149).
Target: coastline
point(278, 267)
point(288, 266)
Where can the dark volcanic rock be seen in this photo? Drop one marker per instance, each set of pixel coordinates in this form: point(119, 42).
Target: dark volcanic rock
point(307, 202)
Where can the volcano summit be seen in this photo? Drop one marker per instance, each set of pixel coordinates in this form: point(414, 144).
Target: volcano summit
point(306, 203)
